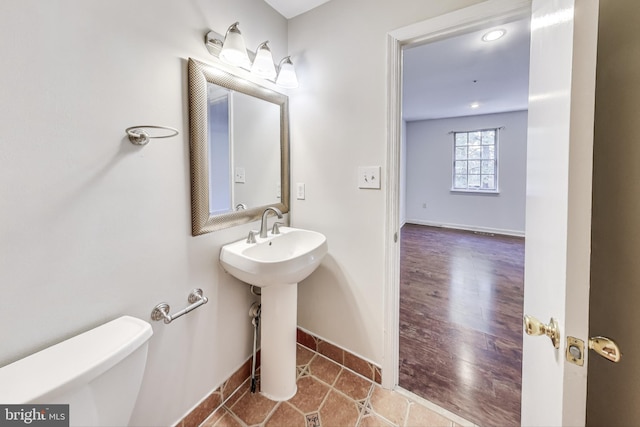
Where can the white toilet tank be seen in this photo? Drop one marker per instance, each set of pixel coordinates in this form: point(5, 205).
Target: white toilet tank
point(98, 373)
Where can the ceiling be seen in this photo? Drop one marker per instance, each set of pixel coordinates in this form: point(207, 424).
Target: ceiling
point(443, 78)
point(291, 8)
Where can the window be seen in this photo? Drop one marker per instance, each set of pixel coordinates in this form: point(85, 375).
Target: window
point(475, 165)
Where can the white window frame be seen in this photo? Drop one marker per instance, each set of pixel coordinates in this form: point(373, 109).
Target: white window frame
point(496, 166)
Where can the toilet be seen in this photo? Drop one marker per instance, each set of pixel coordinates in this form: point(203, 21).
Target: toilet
point(98, 373)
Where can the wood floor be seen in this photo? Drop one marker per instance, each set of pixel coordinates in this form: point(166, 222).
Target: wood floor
point(461, 297)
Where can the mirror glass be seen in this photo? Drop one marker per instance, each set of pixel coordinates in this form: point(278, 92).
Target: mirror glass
point(244, 150)
point(239, 135)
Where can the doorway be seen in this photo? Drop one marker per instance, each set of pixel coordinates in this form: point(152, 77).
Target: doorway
point(461, 268)
point(398, 43)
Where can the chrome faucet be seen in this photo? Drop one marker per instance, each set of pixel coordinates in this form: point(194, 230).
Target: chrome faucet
point(263, 222)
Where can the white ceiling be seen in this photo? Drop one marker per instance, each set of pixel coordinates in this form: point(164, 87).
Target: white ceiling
point(443, 78)
point(291, 8)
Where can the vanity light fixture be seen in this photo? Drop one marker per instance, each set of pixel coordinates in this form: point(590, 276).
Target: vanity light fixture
point(287, 74)
point(263, 62)
point(493, 35)
point(233, 50)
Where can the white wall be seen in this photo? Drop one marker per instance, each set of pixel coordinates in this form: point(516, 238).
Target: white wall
point(92, 227)
point(429, 163)
point(338, 122)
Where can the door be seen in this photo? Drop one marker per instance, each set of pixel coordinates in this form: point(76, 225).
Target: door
point(613, 389)
point(558, 215)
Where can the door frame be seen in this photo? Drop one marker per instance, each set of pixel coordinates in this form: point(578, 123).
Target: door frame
point(491, 12)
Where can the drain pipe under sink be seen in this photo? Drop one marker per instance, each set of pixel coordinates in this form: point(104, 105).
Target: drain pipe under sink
point(254, 313)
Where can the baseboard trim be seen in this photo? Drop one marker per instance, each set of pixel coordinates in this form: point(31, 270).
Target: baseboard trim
point(339, 355)
point(488, 230)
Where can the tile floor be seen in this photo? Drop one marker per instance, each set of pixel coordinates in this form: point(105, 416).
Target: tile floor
point(328, 395)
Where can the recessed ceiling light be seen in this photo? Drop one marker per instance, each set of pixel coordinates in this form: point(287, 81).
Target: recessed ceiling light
point(474, 105)
point(493, 35)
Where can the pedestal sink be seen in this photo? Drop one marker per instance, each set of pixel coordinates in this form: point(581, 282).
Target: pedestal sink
point(276, 264)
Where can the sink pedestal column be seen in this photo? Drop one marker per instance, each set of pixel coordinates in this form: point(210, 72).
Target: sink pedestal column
point(278, 341)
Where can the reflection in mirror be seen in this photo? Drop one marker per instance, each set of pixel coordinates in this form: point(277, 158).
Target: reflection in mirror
point(239, 149)
point(220, 149)
point(244, 140)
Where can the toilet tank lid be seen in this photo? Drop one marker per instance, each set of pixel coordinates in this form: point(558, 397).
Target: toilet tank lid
point(70, 363)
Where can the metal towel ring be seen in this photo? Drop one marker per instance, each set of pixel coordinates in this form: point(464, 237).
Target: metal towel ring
point(138, 135)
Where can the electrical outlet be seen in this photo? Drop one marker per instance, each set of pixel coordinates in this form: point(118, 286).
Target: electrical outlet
point(369, 177)
point(300, 193)
point(239, 175)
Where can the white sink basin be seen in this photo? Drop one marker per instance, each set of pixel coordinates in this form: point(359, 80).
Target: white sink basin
point(277, 263)
point(284, 258)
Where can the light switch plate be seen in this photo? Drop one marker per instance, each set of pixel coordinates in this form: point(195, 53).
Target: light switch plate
point(369, 177)
point(300, 193)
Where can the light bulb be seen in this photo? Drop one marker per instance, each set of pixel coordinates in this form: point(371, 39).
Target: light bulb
point(263, 62)
point(287, 75)
point(234, 51)
point(493, 35)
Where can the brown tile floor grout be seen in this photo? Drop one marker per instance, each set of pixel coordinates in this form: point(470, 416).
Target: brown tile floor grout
point(406, 415)
point(362, 414)
point(270, 414)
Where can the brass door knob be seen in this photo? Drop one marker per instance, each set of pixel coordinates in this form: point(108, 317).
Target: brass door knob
point(606, 348)
point(534, 327)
